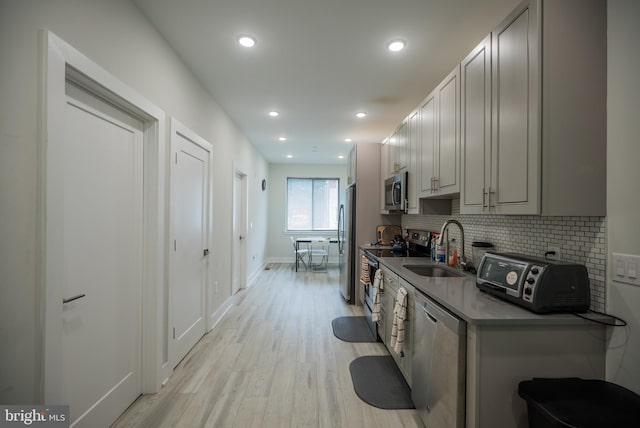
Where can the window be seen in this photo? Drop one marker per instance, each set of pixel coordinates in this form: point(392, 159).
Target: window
point(312, 204)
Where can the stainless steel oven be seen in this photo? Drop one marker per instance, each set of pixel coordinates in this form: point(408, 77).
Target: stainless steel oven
point(368, 293)
point(418, 245)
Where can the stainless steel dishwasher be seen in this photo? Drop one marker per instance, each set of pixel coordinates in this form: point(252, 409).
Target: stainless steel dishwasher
point(438, 365)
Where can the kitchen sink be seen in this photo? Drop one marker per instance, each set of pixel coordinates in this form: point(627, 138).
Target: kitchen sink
point(436, 271)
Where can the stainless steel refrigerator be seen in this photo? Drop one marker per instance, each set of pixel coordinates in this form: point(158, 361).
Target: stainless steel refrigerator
point(347, 245)
point(359, 216)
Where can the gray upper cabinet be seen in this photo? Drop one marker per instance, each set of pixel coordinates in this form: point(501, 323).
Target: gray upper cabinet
point(475, 180)
point(398, 149)
point(515, 159)
point(384, 171)
point(400, 144)
point(412, 162)
point(440, 139)
point(448, 147)
point(574, 102)
point(427, 129)
point(547, 79)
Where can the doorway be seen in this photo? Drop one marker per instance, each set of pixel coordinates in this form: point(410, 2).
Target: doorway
point(239, 231)
point(190, 228)
point(101, 245)
point(100, 213)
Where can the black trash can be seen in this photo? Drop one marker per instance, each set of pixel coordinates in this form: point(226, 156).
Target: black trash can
point(579, 403)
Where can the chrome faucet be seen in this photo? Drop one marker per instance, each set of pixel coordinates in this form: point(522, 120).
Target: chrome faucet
point(463, 259)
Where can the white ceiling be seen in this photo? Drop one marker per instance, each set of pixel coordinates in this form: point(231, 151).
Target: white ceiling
point(320, 62)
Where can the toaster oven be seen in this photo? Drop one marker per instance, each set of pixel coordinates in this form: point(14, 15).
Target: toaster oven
point(539, 285)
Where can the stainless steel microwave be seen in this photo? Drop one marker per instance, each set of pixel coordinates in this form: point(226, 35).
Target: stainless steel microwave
point(395, 192)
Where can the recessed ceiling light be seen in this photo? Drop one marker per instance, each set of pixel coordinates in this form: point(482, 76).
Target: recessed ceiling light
point(396, 45)
point(361, 114)
point(246, 41)
point(282, 139)
point(348, 140)
point(274, 114)
point(340, 156)
point(289, 156)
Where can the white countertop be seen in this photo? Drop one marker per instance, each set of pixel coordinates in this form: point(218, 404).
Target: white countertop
point(461, 296)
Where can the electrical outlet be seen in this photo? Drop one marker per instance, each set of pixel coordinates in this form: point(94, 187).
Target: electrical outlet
point(552, 253)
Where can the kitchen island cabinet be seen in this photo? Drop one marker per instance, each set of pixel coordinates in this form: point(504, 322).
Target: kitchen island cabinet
point(506, 344)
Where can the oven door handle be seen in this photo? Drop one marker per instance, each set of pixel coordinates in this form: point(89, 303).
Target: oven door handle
point(372, 262)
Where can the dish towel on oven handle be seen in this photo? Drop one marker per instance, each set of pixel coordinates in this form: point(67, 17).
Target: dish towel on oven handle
point(399, 317)
point(364, 270)
point(377, 295)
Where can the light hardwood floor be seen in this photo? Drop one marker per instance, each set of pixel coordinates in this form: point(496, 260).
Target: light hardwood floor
point(272, 361)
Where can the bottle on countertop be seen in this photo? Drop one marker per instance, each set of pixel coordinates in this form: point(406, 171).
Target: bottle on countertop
point(440, 254)
point(433, 246)
point(452, 257)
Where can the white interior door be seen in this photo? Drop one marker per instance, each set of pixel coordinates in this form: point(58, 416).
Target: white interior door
point(189, 219)
point(239, 232)
point(101, 243)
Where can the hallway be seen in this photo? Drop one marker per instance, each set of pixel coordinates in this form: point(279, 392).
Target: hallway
point(272, 361)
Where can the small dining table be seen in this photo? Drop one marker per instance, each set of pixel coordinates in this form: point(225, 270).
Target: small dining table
point(314, 239)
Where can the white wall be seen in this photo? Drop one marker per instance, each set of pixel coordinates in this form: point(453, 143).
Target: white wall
point(279, 248)
point(623, 176)
point(116, 36)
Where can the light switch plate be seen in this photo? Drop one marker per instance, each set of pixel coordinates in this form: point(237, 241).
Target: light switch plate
point(625, 268)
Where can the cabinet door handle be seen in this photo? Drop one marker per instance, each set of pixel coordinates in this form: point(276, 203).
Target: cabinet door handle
point(484, 193)
point(488, 193)
point(436, 180)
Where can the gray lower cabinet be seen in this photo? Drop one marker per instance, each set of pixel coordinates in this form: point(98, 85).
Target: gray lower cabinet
point(402, 359)
point(533, 113)
point(390, 281)
point(465, 352)
point(481, 351)
point(499, 357)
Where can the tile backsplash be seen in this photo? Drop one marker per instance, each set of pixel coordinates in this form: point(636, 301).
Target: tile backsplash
point(580, 239)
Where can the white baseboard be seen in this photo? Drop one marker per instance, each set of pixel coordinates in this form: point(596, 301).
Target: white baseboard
point(217, 315)
point(255, 275)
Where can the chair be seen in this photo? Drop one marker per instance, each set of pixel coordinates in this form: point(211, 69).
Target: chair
point(300, 254)
point(319, 249)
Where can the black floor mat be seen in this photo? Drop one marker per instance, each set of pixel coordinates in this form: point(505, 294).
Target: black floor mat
point(378, 381)
point(352, 329)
